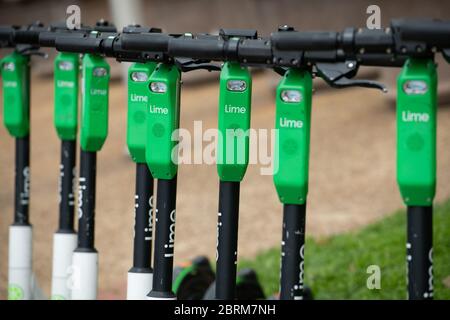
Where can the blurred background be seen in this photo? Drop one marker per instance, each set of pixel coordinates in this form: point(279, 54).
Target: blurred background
point(352, 165)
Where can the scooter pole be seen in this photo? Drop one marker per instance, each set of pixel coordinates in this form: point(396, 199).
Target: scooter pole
point(163, 120)
point(416, 168)
point(232, 155)
point(65, 119)
point(291, 163)
point(16, 116)
point(140, 276)
point(94, 129)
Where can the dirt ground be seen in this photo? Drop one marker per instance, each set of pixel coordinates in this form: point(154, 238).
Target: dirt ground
point(352, 178)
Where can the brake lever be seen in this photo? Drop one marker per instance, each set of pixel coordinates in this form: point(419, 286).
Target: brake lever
point(28, 50)
point(345, 83)
point(338, 75)
point(186, 65)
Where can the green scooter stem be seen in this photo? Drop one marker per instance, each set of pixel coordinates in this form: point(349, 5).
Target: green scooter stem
point(234, 122)
point(232, 161)
point(66, 71)
point(94, 129)
point(416, 168)
point(291, 166)
point(163, 120)
point(66, 68)
point(140, 276)
point(138, 102)
point(416, 132)
point(94, 115)
point(15, 71)
point(16, 94)
point(293, 121)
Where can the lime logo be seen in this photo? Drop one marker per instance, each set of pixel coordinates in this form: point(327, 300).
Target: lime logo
point(15, 292)
point(10, 84)
point(65, 84)
point(289, 123)
point(138, 98)
point(98, 92)
point(408, 116)
point(234, 109)
point(158, 110)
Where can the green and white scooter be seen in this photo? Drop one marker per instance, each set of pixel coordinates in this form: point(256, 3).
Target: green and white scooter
point(94, 129)
point(66, 71)
point(416, 168)
point(15, 71)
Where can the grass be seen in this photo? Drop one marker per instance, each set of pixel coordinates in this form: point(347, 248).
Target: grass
point(335, 267)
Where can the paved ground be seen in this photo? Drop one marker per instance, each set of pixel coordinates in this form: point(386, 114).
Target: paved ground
point(352, 178)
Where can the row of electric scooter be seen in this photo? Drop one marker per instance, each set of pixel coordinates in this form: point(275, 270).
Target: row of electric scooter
point(154, 89)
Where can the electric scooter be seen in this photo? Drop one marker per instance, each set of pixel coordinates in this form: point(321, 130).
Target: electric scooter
point(16, 117)
point(140, 275)
point(416, 168)
point(291, 163)
point(94, 129)
point(163, 120)
point(66, 68)
point(232, 156)
point(15, 71)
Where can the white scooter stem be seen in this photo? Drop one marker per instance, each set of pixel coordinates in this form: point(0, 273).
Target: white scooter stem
point(20, 263)
point(84, 275)
point(64, 245)
point(139, 285)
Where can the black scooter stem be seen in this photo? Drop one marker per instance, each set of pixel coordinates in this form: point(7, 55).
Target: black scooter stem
point(142, 249)
point(292, 252)
point(66, 187)
point(419, 248)
point(227, 240)
point(86, 200)
point(164, 240)
point(22, 182)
